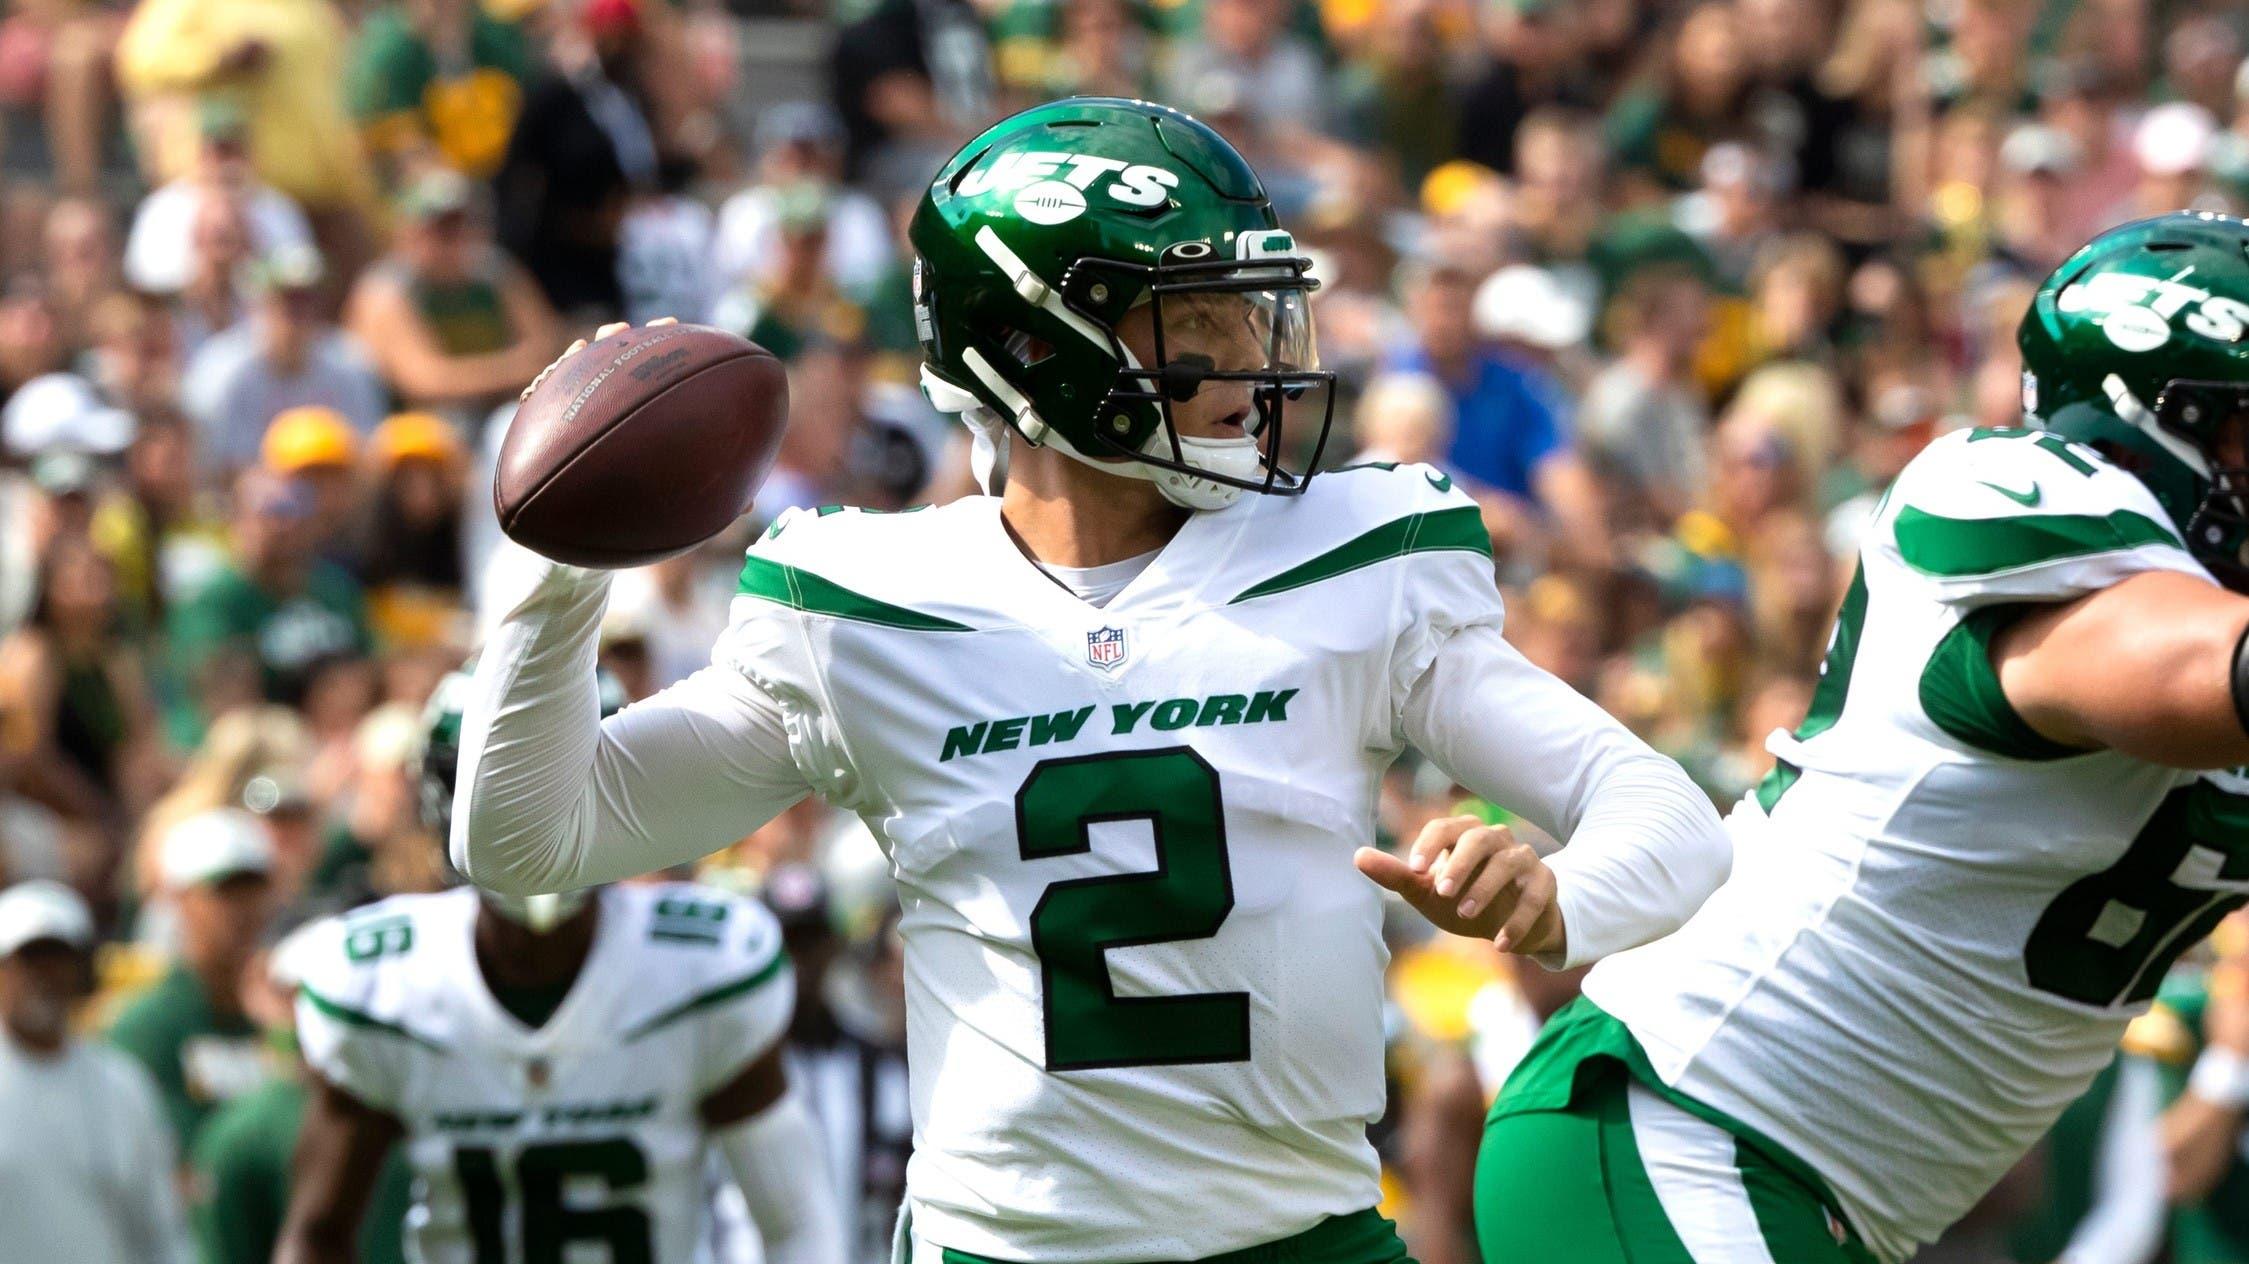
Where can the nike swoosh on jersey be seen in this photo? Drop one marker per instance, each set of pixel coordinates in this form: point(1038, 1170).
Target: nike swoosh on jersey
point(2028, 500)
point(1439, 480)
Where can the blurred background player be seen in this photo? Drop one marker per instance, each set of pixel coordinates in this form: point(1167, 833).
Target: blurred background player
point(522, 1051)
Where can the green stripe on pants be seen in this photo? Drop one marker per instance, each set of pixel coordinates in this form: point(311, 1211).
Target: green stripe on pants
point(1362, 1237)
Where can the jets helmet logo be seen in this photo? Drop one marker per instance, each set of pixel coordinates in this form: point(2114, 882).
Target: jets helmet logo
point(1049, 202)
point(2136, 312)
point(1054, 186)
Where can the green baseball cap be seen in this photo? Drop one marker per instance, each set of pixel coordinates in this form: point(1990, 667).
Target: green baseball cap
point(291, 266)
point(436, 193)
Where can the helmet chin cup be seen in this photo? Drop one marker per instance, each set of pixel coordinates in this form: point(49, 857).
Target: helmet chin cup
point(539, 914)
point(1235, 459)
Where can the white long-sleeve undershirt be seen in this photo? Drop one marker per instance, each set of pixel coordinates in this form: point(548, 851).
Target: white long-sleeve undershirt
point(1643, 847)
point(551, 797)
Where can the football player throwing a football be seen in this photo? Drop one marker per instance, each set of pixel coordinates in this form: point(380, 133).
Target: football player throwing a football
point(1118, 725)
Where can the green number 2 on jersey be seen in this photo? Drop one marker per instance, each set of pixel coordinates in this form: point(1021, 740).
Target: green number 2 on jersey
point(1077, 920)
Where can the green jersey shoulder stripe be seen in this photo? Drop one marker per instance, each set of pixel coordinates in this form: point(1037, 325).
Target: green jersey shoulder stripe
point(350, 1017)
point(768, 580)
point(1952, 548)
point(718, 995)
point(1460, 529)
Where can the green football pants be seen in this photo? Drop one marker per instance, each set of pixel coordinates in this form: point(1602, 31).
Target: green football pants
point(1625, 1177)
point(1362, 1237)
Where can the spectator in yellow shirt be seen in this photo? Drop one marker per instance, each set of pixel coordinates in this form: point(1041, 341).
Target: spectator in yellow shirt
point(282, 62)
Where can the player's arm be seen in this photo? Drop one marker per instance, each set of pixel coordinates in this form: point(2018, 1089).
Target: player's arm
point(340, 1152)
point(1440, 1127)
point(2125, 1223)
point(551, 798)
point(1643, 845)
point(759, 1121)
point(2152, 667)
point(2202, 1129)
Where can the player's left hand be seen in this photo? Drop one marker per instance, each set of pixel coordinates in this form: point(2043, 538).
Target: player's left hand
point(1474, 879)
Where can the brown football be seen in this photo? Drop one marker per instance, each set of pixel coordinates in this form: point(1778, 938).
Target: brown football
point(642, 445)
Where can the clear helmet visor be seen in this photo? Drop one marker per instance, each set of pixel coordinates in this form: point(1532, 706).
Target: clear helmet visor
point(1227, 344)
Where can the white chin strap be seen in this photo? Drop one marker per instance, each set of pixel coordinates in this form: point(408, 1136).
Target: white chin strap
point(538, 914)
point(1233, 458)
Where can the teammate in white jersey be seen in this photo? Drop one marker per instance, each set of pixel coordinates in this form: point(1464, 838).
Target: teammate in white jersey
point(559, 1069)
point(1980, 852)
point(1119, 727)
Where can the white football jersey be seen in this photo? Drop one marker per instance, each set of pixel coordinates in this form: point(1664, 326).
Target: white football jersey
point(1938, 922)
point(578, 1139)
point(1144, 980)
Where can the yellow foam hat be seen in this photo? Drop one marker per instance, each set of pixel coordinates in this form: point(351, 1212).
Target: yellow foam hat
point(309, 437)
point(416, 435)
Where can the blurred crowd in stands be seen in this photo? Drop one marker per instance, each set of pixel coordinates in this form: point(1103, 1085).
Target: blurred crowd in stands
point(1674, 287)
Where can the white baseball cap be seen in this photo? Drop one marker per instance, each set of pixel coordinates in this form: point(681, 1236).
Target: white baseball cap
point(1529, 304)
point(32, 911)
point(62, 410)
point(214, 845)
point(2174, 138)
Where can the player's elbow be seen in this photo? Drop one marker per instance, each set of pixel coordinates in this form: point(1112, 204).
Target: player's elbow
point(509, 861)
point(1700, 856)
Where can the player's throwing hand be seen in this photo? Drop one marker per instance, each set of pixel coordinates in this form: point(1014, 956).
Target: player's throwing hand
point(614, 327)
point(1474, 879)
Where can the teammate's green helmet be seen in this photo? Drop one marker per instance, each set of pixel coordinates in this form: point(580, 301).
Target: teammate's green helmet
point(436, 765)
point(2138, 345)
point(1039, 236)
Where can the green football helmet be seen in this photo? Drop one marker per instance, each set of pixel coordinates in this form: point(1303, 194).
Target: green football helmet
point(2138, 346)
point(1040, 235)
point(436, 766)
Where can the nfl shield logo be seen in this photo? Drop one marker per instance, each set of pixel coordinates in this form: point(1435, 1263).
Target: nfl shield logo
point(1105, 648)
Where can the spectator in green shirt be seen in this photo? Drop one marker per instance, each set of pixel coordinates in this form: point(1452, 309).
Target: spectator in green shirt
point(278, 605)
point(189, 1029)
point(438, 78)
point(242, 1161)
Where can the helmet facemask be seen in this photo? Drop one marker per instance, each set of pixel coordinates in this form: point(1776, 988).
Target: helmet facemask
point(1061, 257)
point(1210, 322)
point(1215, 331)
point(2214, 418)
